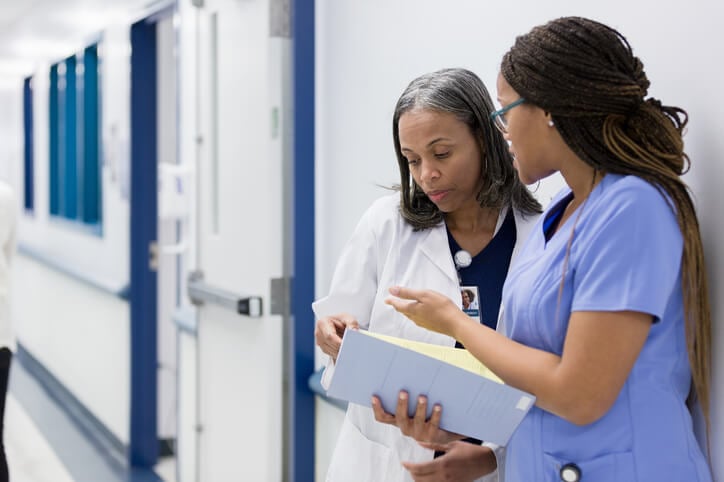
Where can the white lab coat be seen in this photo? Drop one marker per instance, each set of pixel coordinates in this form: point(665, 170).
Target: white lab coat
point(384, 251)
point(7, 251)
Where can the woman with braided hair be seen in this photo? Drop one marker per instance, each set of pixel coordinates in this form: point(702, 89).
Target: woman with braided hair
point(606, 308)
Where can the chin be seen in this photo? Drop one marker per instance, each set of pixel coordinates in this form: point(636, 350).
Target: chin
point(527, 180)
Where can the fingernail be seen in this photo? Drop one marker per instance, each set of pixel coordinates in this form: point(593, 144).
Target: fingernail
point(403, 396)
point(420, 399)
point(437, 408)
point(395, 290)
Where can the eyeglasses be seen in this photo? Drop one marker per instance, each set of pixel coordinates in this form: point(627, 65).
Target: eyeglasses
point(498, 117)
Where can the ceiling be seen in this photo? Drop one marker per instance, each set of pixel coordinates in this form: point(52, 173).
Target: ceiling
point(35, 31)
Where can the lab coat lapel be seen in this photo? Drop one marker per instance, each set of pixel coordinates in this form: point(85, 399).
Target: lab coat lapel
point(435, 246)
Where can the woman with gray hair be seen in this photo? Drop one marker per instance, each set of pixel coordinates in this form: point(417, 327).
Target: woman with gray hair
point(455, 223)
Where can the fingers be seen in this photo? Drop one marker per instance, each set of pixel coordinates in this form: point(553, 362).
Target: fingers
point(329, 331)
point(380, 414)
point(423, 471)
point(347, 320)
point(326, 336)
point(403, 306)
point(433, 425)
point(420, 421)
point(438, 447)
point(407, 293)
point(401, 413)
point(402, 419)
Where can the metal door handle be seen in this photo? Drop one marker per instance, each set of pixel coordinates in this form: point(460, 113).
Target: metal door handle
point(200, 293)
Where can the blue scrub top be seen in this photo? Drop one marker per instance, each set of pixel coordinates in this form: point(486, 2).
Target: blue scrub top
point(625, 255)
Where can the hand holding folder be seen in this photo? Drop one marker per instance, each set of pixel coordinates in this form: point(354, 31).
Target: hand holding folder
point(475, 402)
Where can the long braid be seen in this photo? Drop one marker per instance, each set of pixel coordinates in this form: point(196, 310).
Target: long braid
point(585, 75)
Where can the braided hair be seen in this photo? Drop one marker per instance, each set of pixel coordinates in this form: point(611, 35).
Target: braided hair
point(586, 76)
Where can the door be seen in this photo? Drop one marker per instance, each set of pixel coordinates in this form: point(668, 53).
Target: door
point(240, 240)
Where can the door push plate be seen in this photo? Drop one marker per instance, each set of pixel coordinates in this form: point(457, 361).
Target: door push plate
point(201, 293)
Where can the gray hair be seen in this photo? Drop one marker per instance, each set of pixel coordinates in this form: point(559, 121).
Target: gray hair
point(459, 92)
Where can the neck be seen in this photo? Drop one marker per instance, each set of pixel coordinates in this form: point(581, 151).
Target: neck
point(581, 178)
point(471, 221)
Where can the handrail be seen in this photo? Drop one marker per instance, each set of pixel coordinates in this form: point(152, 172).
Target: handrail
point(68, 269)
point(315, 385)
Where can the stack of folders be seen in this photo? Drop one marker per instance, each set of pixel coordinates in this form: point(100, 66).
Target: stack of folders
point(474, 401)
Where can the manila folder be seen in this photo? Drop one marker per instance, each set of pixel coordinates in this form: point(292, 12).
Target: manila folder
point(475, 403)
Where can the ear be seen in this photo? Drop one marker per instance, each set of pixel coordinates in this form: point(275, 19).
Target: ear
point(549, 118)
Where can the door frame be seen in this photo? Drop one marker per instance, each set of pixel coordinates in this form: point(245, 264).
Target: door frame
point(144, 444)
point(302, 417)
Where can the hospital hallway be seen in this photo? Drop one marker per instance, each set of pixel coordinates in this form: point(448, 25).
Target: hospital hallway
point(43, 444)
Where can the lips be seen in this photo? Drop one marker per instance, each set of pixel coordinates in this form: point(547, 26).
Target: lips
point(437, 196)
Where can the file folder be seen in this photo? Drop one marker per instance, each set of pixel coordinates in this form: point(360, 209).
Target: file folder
point(475, 403)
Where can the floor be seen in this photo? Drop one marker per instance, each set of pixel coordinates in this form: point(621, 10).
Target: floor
point(43, 445)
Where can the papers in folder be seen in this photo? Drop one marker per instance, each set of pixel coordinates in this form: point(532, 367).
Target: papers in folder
point(474, 401)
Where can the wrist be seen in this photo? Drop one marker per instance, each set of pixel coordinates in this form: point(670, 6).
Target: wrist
point(486, 460)
point(460, 321)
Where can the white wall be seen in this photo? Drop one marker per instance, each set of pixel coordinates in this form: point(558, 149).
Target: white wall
point(168, 227)
point(11, 124)
point(367, 52)
point(79, 333)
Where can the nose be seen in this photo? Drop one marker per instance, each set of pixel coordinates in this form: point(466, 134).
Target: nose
point(428, 172)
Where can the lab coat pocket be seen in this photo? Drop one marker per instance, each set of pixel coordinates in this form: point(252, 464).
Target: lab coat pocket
point(357, 458)
point(612, 467)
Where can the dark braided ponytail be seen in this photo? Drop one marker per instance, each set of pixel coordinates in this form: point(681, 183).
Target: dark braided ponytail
point(586, 76)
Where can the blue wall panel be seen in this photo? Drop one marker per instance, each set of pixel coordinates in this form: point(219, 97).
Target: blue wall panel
point(28, 157)
point(69, 206)
point(302, 289)
point(91, 196)
point(144, 446)
point(53, 154)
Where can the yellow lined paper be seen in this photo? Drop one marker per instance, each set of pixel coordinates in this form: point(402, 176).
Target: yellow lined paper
point(458, 357)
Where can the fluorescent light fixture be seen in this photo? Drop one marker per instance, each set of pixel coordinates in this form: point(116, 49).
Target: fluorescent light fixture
point(15, 66)
point(36, 48)
point(93, 20)
point(10, 82)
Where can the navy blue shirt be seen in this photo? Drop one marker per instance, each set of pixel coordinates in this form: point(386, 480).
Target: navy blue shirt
point(489, 269)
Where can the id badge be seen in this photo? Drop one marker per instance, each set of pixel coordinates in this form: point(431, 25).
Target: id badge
point(470, 301)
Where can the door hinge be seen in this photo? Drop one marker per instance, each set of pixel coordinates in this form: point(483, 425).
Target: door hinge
point(280, 302)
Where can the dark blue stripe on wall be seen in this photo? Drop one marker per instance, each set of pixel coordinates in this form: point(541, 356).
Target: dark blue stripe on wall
point(28, 158)
point(302, 450)
point(70, 166)
point(54, 161)
point(91, 171)
point(143, 450)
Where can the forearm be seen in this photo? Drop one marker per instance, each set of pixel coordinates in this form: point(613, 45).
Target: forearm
point(600, 349)
point(528, 369)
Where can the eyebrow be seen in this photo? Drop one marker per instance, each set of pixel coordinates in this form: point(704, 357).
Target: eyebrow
point(429, 144)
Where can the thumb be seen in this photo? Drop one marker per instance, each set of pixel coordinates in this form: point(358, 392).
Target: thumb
point(406, 293)
point(435, 446)
point(349, 321)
